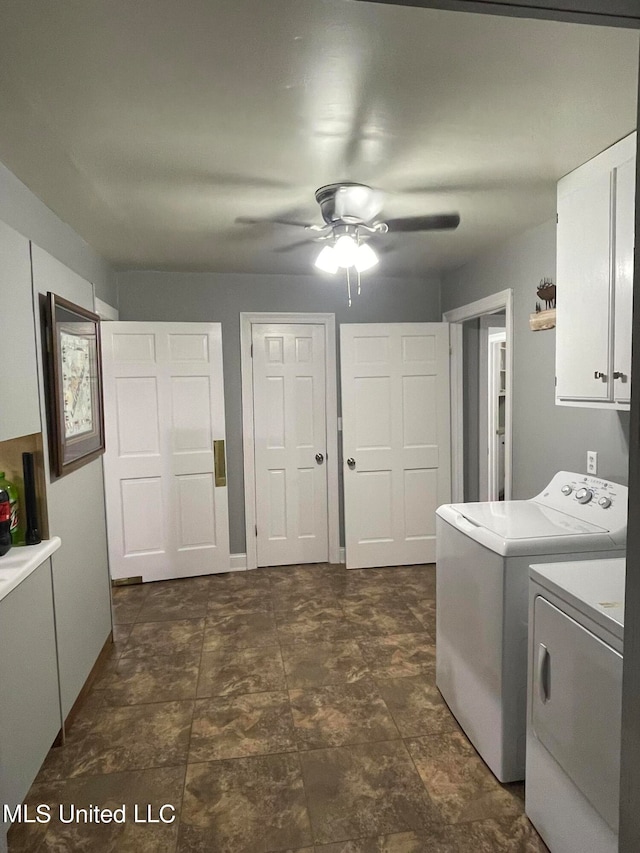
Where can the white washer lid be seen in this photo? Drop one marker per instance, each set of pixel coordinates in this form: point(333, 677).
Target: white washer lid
point(525, 520)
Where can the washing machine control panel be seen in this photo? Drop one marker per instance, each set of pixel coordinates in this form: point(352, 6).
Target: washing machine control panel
point(584, 490)
point(588, 498)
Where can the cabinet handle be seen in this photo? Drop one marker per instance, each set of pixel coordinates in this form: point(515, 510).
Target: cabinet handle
point(618, 374)
point(598, 374)
point(219, 464)
point(543, 673)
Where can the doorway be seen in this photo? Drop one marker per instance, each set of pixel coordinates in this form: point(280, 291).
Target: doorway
point(481, 398)
point(290, 426)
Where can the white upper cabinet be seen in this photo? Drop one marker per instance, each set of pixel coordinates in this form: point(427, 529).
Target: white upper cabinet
point(596, 213)
point(19, 400)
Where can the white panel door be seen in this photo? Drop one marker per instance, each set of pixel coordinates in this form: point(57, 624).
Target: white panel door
point(395, 440)
point(164, 408)
point(289, 399)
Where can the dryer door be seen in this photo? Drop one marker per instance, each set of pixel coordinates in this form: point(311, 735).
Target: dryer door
point(576, 705)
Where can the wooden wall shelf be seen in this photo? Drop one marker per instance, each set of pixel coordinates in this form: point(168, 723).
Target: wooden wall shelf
point(542, 320)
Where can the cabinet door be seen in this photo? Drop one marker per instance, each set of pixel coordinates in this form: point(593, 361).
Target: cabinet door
point(20, 410)
point(30, 715)
point(583, 270)
point(625, 179)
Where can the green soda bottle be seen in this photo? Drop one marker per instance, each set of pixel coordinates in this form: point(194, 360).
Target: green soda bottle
point(16, 532)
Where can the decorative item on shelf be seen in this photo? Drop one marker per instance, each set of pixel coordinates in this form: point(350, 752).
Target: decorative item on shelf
point(544, 318)
point(76, 421)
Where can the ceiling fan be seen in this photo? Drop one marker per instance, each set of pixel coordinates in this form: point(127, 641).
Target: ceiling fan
point(352, 216)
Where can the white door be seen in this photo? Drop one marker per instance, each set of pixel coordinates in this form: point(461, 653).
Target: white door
point(289, 399)
point(395, 440)
point(166, 498)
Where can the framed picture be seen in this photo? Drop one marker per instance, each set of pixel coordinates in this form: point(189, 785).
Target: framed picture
point(75, 385)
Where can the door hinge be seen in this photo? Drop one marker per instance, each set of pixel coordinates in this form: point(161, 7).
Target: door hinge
point(557, 219)
point(251, 350)
point(256, 529)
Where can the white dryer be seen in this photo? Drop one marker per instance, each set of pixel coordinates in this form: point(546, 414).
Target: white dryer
point(483, 553)
point(576, 624)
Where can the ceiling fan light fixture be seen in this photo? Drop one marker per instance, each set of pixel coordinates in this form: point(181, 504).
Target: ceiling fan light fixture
point(365, 258)
point(327, 261)
point(346, 251)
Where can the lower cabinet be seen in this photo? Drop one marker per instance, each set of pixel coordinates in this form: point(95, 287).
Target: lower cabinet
point(30, 716)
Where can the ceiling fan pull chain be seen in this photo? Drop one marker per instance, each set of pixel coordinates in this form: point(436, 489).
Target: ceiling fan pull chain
point(358, 282)
point(349, 287)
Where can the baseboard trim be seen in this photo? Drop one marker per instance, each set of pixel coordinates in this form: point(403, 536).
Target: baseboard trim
point(342, 556)
point(238, 562)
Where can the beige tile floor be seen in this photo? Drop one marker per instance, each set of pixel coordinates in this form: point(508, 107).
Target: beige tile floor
point(286, 709)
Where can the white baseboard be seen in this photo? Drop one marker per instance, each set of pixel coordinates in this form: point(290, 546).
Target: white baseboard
point(238, 563)
point(342, 555)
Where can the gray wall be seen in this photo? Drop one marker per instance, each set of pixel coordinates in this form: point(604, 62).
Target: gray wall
point(22, 210)
point(217, 297)
point(546, 437)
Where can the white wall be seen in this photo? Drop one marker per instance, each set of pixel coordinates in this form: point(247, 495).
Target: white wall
point(546, 437)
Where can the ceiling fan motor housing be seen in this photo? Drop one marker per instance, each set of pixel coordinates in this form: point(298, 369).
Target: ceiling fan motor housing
point(347, 202)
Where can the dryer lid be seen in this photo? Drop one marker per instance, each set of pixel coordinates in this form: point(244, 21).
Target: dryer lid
point(522, 520)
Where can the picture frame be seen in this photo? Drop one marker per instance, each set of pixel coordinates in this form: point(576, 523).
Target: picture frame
point(76, 415)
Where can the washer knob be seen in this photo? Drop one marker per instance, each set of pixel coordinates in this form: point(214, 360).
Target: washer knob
point(566, 490)
point(583, 496)
point(604, 502)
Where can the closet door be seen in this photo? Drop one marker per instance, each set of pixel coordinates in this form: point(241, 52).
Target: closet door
point(165, 479)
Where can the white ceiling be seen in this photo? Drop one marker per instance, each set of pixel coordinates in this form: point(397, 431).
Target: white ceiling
point(149, 127)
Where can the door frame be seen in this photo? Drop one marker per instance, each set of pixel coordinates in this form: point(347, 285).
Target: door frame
point(492, 439)
point(503, 300)
point(328, 321)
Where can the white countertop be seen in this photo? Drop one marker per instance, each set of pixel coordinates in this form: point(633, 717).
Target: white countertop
point(21, 560)
point(594, 587)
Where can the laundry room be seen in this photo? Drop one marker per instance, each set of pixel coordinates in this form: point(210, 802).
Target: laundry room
point(316, 426)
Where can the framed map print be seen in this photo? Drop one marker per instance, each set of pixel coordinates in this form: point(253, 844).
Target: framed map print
point(75, 384)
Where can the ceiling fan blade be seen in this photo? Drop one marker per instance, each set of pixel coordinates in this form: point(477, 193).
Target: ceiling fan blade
point(291, 246)
point(249, 220)
point(434, 222)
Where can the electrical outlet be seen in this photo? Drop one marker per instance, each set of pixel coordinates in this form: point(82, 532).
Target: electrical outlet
point(592, 462)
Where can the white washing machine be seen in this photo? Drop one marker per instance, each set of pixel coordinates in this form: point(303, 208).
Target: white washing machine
point(483, 553)
point(576, 619)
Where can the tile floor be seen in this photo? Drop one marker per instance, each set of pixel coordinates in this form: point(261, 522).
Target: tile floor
point(287, 709)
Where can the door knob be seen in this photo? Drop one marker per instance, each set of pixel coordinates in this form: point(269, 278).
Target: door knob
point(319, 458)
point(351, 462)
point(598, 374)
